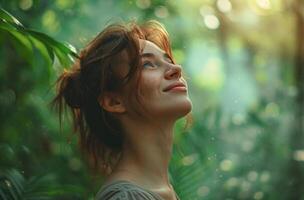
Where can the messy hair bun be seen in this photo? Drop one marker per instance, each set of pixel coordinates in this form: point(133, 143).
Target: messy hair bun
point(72, 88)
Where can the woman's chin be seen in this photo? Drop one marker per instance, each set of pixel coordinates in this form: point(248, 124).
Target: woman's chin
point(173, 110)
point(185, 109)
point(181, 110)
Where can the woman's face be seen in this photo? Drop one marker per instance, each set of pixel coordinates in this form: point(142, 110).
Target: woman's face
point(163, 91)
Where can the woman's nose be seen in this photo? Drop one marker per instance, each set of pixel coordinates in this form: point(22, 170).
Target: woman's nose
point(174, 71)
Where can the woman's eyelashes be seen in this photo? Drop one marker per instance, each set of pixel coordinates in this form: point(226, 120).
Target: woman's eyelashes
point(169, 60)
point(148, 63)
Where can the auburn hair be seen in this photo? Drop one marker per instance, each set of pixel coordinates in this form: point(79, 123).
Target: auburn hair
point(93, 73)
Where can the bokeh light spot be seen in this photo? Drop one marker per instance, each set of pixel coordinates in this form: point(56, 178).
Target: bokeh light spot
point(143, 4)
point(189, 160)
point(64, 4)
point(224, 5)
point(258, 195)
point(161, 12)
point(252, 176)
point(232, 182)
point(211, 21)
point(226, 165)
point(265, 176)
point(272, 110)
point(25, 4)
point(50, 21)
point(298, 155)
point(265, 4)
point(203, 191)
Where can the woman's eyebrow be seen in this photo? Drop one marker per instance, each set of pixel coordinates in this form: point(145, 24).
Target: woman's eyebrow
point(151, 55)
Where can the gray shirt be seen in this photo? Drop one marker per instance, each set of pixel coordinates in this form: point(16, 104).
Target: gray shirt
point(125, 190)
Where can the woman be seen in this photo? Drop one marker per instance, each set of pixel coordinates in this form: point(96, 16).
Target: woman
point(126, 92)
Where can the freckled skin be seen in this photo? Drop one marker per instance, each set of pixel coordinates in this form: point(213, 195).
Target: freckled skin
point(153, 81)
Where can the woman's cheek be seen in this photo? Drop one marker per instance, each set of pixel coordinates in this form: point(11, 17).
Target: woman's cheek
point(150, 84)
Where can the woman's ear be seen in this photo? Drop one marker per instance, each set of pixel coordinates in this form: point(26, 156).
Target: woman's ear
point(112, 103)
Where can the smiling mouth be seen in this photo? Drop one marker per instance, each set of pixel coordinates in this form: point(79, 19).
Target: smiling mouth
point(178, 88)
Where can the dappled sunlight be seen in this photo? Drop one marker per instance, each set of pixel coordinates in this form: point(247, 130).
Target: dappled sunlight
point(242, 61)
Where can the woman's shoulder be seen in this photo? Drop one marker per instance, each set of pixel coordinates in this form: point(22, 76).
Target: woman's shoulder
point(124, 190)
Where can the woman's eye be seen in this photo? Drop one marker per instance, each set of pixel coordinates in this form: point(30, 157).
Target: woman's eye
point(148, 64)
point(170, 61)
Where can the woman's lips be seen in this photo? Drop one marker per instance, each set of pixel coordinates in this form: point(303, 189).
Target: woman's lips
point(176, 87)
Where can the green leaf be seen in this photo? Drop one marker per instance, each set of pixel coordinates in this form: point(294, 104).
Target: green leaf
point(23, 39)
point(4, 25)
point(47, 46)
point(11, 191)
point(20, 40)
point(66, 49)
point(2, 195)
point(45, 50)
point(65, 61)
point(17, 181)
point(9, 18)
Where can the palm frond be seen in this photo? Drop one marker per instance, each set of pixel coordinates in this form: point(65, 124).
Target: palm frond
point(31, 39)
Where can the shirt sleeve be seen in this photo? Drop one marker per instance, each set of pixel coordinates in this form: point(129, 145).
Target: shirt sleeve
point(123, 194)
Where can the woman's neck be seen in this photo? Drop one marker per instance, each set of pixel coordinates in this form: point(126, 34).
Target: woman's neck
point(146, 154)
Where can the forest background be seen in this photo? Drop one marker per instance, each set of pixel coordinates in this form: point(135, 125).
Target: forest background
point(245, 63)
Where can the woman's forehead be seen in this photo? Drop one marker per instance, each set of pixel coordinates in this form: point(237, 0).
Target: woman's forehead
point(147, 46)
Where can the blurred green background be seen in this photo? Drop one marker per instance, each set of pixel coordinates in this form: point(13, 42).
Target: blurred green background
point(245, 65)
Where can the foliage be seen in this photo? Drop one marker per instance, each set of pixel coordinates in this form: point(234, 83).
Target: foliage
point(47, 46)
point(27, 43)
point(246, 141)
point(13, 185)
